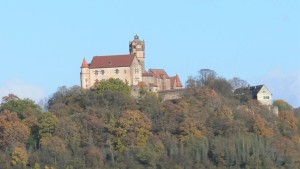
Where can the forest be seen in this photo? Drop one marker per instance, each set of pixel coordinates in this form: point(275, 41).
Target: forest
point(104, 127)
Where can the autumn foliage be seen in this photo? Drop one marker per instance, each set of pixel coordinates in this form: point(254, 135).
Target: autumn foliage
point(106, 128)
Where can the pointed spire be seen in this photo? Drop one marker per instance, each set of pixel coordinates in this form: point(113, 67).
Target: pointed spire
point(84, 64)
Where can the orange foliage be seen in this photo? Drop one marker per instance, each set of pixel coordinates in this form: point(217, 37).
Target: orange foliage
point(12, 130)
point(259, 126)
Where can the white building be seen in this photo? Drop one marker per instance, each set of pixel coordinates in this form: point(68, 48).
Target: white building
point(262, 94)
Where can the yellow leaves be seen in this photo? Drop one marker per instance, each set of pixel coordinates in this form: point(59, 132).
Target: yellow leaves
point(187, 128)
point(19, 156)
point(225, 112)
point(131, 129)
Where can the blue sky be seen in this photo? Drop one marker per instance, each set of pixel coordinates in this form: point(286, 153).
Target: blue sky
point(42, 44)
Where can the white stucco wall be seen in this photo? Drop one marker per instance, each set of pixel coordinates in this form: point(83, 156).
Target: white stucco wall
point(264, 96)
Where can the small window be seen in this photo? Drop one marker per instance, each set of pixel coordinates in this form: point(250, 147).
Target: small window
point(117, 71)
point(102, 72)
point(125, 71)
point(136, 79)
point(136, 70)
point(266, 97)
point(96, 72)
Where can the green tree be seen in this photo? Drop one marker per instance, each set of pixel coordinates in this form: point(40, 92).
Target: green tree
point(112, 85)
point(23, 107)
point(47, 125)
point(282, 105)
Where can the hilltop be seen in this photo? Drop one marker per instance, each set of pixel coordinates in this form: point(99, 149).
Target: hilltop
point(105, 127)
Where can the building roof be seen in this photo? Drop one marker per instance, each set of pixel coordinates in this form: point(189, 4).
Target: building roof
point(112, 61)
point(176, 81)
point(84, 64)
point(149, 74)
point(255, 89)
point(159, 73)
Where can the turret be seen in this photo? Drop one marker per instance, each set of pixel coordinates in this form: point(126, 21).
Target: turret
point(137, 47)
point(85, 75)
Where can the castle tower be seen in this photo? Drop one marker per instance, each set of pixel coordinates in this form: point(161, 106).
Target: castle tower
point(85, 75)
point(137, 47)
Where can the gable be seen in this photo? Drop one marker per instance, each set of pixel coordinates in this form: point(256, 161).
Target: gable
point(112, 61)
point(264, 90)
point(159, 73)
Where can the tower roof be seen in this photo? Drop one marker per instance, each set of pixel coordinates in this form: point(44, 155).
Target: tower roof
point(136, 39)
point(84, 64)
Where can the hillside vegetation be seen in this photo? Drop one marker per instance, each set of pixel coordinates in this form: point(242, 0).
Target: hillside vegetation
point(106, 128)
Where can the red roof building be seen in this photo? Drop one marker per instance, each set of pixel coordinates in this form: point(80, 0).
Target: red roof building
point(130, 68)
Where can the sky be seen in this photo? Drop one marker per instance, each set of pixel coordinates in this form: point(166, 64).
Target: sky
point(43, 43)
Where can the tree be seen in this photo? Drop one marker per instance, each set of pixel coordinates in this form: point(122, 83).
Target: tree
point(206, 77)
point(47, 125)
point(19, 157)
point(131, 129)
point(221, 86)
point(23, 107)
point(287, 123)
point(12, 131)
point(112, 85)
point(94, 158)
point(282, 105)
point(237, 83)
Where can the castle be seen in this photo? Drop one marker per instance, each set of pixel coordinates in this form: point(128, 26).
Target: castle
point(130, 68)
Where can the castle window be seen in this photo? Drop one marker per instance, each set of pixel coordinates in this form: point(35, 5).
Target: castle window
point(96, 72)
point(117, 71)
point(102, 72)
point(266, 97)
point(125, 71)
point(136, 79)
point(136, 70)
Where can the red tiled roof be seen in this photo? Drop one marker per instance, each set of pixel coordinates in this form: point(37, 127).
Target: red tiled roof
point(147, 74)
point(178, 81)
point(84, 64)
point(159, 73)
point(112, 61)
point(175, 81)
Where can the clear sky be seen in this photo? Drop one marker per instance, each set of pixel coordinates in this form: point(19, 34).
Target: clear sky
point(42, 44)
